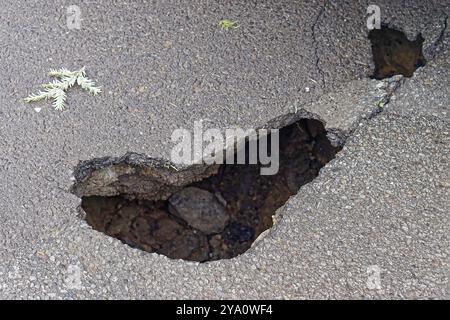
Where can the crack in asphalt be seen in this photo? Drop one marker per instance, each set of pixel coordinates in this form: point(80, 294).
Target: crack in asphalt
point(435, 47)
point(316, 47)
point(393, 86)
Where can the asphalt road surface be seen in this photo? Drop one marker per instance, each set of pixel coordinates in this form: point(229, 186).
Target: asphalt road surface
point(374, 224)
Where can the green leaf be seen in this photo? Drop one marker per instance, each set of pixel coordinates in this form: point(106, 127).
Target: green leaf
point(227, 24)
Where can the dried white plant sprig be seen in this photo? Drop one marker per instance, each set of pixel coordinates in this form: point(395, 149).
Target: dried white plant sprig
point(56, 89)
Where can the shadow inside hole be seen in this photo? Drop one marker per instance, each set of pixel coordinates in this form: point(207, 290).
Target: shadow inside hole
point(239, 200)
point(394, 54)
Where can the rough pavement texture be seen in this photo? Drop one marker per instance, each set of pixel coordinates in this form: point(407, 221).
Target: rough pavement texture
point(162, 65)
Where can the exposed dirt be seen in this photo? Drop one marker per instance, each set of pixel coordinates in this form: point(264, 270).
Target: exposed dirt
point(394, 54)
point(248, 198)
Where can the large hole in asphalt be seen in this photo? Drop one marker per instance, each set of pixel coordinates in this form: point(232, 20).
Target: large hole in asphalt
point(394, 54)
point(221, 216)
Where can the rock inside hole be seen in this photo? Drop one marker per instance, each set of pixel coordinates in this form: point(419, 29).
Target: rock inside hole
point(221, 216)
point(394, 54)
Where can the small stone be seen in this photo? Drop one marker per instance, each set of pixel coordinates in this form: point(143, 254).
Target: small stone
point(238, 233)
point(200, 209)
point(167, 229)
point(186, 245)
point(196, 88)
point(168, 44)
point(141, 89)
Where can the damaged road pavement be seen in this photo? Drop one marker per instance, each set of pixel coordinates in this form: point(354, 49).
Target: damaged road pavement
point(91, 207)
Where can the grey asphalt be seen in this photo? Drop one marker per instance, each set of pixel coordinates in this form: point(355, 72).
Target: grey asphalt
point(381, 207)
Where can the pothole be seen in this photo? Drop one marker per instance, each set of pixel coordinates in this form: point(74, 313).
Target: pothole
point(394, 54)
point(218, 217)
